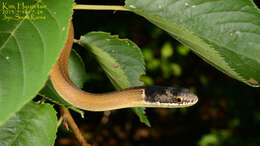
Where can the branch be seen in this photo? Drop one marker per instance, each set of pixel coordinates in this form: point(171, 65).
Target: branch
point(99, 7)
point(67, 116)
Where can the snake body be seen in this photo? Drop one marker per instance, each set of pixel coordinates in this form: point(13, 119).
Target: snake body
point(146, 96)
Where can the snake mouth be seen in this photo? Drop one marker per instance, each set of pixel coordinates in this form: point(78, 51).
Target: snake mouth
point(170, 105)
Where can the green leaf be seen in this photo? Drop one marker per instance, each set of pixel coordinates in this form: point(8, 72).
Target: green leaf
point(147, 80)
point(183, 50)
point(176, 69)
point(167, 50)
point(148, 54)
point(76, 68)
point(140, 111)
point(166, 70)
point(78, 76)
point(224, 33)
point(153, 64)
point(215, 137)
point(121, 60)
point(33, 125)
point(29, 46)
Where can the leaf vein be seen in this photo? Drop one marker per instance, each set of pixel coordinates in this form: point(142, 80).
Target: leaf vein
point(43, 43)
point(22, 62)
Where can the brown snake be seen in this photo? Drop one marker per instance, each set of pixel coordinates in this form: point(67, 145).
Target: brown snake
point(146, 96)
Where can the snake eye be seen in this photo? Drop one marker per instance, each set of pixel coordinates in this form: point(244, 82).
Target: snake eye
point(179, 98)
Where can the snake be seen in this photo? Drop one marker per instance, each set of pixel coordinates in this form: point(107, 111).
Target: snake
point(140, 96)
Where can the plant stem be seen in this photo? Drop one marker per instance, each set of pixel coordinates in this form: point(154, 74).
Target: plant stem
point(68, 118)
point(60, 121)
point(99, 7)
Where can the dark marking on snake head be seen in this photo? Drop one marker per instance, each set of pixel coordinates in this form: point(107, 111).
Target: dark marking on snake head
point(169, 95)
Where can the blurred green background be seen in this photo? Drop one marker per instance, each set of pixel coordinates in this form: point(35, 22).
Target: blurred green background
point(228, 111)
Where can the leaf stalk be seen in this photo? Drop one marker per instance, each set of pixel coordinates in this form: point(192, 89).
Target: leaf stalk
point(100, 7)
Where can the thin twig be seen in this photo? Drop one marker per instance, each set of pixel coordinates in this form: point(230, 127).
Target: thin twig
point(73, 126)
point(99, 7)
point(60, 121)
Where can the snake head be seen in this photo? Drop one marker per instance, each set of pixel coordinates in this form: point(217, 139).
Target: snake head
point(169, 97)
